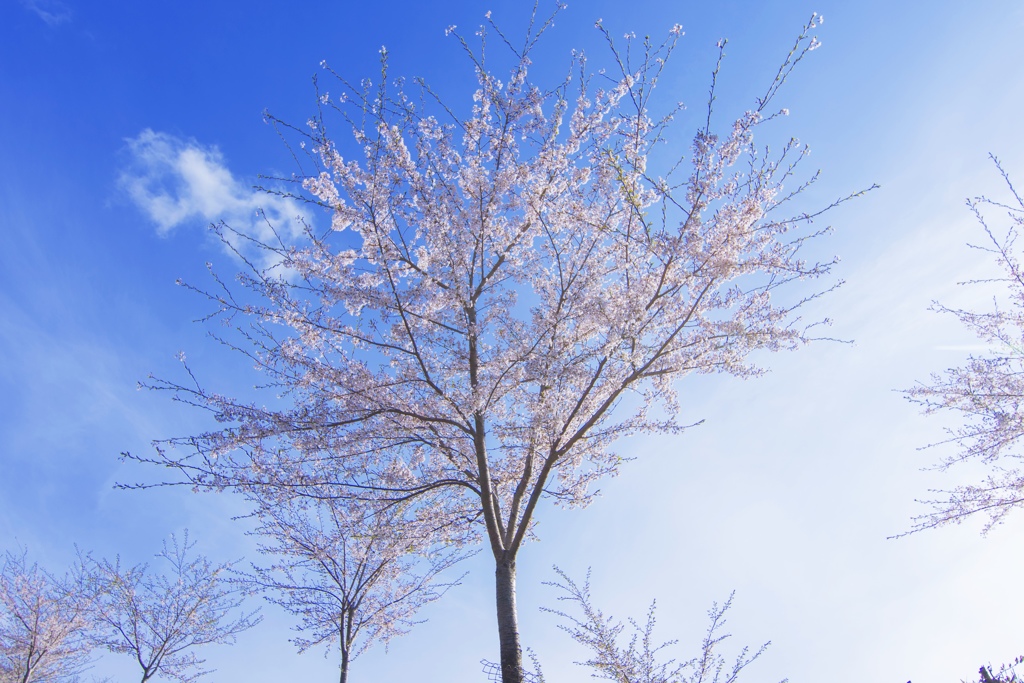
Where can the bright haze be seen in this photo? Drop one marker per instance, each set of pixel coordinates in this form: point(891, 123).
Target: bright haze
point(127, 129)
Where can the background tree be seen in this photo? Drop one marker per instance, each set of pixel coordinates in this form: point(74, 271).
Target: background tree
point(159, 619)
point(44, 622)
point(348, 569)
point(987, 393)
point(506, 293)
point(1006, 673)
point(639, 661)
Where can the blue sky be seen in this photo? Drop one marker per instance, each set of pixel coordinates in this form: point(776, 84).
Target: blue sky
point(787, 493)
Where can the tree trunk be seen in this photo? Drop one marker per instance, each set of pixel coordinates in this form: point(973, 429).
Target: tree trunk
point(508, 623)
point(344, 665)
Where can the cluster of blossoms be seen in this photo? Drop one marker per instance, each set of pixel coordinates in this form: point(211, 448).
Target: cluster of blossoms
point(985, 393)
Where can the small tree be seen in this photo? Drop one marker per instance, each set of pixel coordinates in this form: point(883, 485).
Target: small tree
point(639, 661)
point(1006, 673)
point(496, 284)
point(159, 619)
point(44, 622)
point(348, 569)
point(987, 393)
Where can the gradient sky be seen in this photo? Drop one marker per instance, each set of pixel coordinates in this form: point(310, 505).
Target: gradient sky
point(127, 127)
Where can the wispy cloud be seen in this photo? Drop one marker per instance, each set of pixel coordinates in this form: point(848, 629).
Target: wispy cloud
point(970, 348)
point(53, 12)
point(179, 182)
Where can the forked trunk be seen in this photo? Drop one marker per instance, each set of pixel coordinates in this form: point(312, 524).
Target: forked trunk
point(508, 623)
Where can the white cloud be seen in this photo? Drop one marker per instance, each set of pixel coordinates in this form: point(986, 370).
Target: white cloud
point(179, 182)
point(53, 12)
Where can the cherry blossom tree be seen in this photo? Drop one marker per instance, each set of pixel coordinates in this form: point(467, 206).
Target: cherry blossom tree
point(638, 660)
point(505, 293)
point(159, 619)
point(987, 393)
point(44, 622)
point(1005, 674)
point(347, 569)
